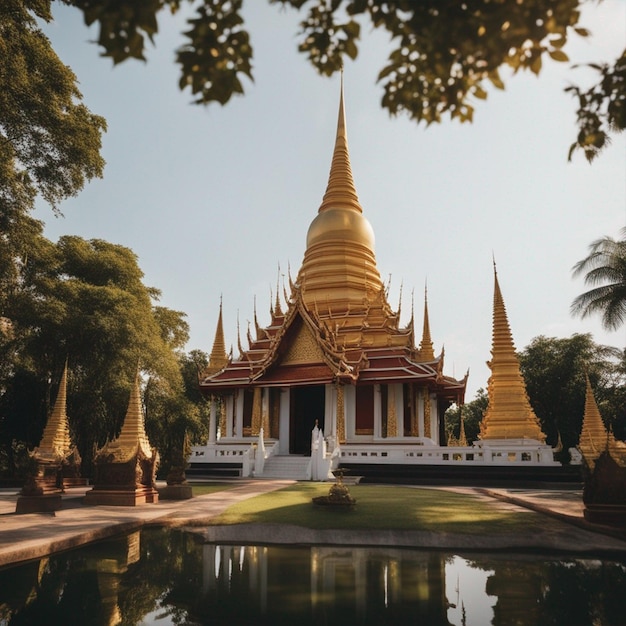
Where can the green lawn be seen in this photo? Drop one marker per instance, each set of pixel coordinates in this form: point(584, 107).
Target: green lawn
point(384, 507)
point(200, 489)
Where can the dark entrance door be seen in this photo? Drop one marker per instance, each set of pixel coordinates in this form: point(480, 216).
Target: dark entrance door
point(307, 405)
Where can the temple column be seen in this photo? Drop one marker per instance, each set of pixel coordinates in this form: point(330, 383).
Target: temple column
point(255, 426)
point(378, 413)
point(239, 415)
point(330, 415)
point(349, 411)
point(213, 421)
point(434, 414)
point(415, 427)
point(392, 413)
point(419, 400)
point(341, 415)
point(283, 420)
point(265, 411)
point(229, 414)
point(426, 403)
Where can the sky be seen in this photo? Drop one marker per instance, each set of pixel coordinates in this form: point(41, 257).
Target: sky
point(216, 201)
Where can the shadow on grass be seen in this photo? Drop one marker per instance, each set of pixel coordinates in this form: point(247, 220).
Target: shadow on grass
point(384, 507)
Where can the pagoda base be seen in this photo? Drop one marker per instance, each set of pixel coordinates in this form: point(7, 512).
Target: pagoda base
point(521, 450)
point(175, 492)
point(38, 504)
point(608, 514)
point(121, 497)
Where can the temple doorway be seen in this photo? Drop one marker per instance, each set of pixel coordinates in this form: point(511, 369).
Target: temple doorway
point(307, 405)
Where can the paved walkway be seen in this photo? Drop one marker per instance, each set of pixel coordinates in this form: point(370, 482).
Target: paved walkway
point(29, 536)
point(33, 535)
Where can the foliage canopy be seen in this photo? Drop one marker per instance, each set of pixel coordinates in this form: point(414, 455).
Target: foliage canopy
point(444, 53)
point(49, 141)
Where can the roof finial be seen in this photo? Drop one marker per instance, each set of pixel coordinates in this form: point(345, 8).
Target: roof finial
point(426, 345)
point(277, 308)
point(341, 191)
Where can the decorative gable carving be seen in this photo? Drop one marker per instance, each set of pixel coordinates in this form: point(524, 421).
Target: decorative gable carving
point(303, 349)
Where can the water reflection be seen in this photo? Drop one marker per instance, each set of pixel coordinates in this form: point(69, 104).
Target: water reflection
point(171, 577)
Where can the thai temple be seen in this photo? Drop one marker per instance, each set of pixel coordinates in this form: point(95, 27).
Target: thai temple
point(336, 380)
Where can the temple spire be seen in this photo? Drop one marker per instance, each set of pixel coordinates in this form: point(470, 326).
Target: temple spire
point(341, 191)
point(509, 414)
point(133, 433)
point(218, 358)
point(55, 441)
point(593, 437)
point(426, 350)
point(278, 312)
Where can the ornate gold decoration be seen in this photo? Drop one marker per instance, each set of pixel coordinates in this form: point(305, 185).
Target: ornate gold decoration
point(132, 436)
point(55, 442)
point(392, 417)
point(303, 349)
point(218, 359)
point(221, 412)
point(265, 415)
point(509, 414)
point(594, 437)
point(256, 411)
point(426, 352)
point(341, 417)
point(426, 400)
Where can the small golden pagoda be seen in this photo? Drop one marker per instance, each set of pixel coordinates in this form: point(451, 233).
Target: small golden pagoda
point(44, 486)
point(125, 468)
point(334, 352)
point(594, 437)
point(604, 467)
point(509, 414)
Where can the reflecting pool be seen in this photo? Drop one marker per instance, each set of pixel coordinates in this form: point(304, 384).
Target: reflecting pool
point(166, 577)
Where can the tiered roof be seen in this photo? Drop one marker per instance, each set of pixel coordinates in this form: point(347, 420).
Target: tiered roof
point(338, 324)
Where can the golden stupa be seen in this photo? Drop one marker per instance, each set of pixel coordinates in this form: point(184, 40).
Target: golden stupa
point(43, 487)
point(595, 438)
point(56, 444)
point(509, 414)
point(125, 468)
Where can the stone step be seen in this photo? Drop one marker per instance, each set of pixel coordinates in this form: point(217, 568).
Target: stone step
point(293, 467)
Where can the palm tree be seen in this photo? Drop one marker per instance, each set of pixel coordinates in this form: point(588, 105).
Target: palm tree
point(605, 268)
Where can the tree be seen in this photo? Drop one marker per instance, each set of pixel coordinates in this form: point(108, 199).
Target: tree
point(472, 417)
point(554, 371)
point(177, 417)
point(49, 141)
point(605, 268)
point(444, 53)
point(85, 301)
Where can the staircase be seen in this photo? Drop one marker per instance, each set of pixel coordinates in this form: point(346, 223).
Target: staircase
point(293, 467)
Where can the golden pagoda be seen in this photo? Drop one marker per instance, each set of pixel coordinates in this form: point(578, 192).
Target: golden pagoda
point(125, 468)
point(334, 352)
point(43, 488)
point(604, 473)
point(56, 445)
point(595, 438)
point(508, 414)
